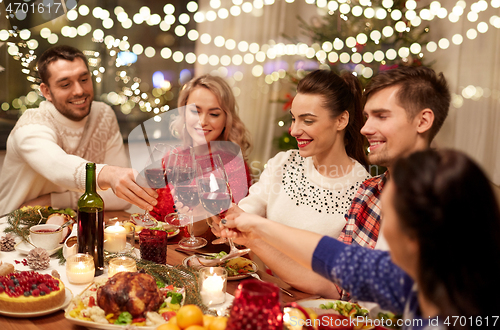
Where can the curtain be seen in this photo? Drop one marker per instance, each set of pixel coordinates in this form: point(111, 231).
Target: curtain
point(472, 70)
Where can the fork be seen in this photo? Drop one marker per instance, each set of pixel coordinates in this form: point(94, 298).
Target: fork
point(256, 276)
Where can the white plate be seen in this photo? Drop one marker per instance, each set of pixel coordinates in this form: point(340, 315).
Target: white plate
point(173, 233)
point(225, 308)
point(93, 325)
point(90, 291)
point(192, 261)
point(25, 248)
point(373, 308)
point(314, 303)
point(67, 299)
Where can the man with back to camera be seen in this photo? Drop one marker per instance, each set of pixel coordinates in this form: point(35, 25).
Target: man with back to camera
point(49, 146)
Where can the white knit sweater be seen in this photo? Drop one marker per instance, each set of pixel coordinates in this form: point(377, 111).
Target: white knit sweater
point(41, 156)
point(292, 192)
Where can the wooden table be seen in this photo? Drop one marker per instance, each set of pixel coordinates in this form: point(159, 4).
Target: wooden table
point(58, 321)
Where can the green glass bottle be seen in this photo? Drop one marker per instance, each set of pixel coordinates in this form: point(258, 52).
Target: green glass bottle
point(91, 221)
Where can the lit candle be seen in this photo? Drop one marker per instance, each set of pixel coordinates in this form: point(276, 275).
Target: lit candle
point(121, 264)
point(115, 238)
point(80, 268)
point(213, 286)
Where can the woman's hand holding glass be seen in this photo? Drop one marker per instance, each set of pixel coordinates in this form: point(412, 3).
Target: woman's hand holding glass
point(243, 225)
point(214, 223)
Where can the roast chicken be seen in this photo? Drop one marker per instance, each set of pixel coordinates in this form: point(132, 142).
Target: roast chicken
point(135, 293)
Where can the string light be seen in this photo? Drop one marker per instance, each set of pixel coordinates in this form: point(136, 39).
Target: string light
point(251, 53)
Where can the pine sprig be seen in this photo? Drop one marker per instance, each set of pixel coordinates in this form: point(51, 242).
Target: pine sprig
point(178, 276)
point(21, 220)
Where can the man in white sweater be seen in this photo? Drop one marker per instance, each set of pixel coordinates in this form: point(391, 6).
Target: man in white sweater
point(48, 148)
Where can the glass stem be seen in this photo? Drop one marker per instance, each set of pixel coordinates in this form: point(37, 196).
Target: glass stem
point(231, 245)
point(191, 227)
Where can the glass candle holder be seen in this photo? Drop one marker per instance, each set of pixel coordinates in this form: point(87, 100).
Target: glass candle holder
point(153, 245)
point(115, 238)
point(121, 264)
point(213, 282)
point(80, 268)
point(256, 306)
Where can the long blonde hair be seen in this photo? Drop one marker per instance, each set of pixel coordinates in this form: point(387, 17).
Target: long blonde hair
point(234, 130)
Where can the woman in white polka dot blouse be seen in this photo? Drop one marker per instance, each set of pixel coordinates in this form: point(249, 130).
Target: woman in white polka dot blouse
point(312, 187)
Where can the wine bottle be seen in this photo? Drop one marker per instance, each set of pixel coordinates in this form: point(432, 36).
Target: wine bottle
point(91, 221)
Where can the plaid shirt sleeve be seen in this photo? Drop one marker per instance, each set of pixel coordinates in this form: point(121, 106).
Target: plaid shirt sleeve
point(363, 218)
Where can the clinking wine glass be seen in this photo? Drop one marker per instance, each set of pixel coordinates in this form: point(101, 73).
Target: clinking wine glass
point(155, 176)
point(185, 191)
point(215, 193)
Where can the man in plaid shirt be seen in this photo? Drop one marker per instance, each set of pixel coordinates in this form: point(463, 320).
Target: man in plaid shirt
point(404, 109)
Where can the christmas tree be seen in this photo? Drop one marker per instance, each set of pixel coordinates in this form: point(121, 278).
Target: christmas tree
point(363, 37)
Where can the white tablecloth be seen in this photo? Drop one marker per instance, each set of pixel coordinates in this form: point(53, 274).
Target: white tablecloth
point(11, 257)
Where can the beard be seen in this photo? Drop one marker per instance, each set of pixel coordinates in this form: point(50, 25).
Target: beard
point(68, 112)
point(380, 158)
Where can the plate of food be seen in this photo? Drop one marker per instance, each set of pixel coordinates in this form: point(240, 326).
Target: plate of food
point(323, 306)
point(44, 295)
point(371, 310)
point(101, 304)
point(237, 268)
point(171, 230)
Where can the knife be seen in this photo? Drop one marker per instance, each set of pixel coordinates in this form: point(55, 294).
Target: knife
point(190, 253)
point(285, 291)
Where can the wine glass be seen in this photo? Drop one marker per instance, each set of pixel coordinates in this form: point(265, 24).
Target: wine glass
point(155, 177)
point(185, 191)
point(215, 193)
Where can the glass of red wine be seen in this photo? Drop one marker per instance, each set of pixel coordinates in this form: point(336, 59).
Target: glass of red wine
point(185, 191)
point(155, 177)
point(215, 193)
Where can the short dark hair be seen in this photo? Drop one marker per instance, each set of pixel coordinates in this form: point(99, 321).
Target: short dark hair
point(340, 93)
point(55, 53)
point(420, 88)
point(445, 201)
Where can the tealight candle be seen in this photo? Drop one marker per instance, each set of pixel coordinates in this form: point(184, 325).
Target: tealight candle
point(213, 285)
point(115, 238)
point(121, 264)
point(80, 268)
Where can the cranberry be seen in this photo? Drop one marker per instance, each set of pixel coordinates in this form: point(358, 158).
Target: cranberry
point(2, 289)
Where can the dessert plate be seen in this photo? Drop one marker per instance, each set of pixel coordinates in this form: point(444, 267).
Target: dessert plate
point(25, 247)
point(67, 299)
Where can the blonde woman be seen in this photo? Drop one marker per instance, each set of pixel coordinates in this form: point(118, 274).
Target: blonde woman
point(208, 113)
